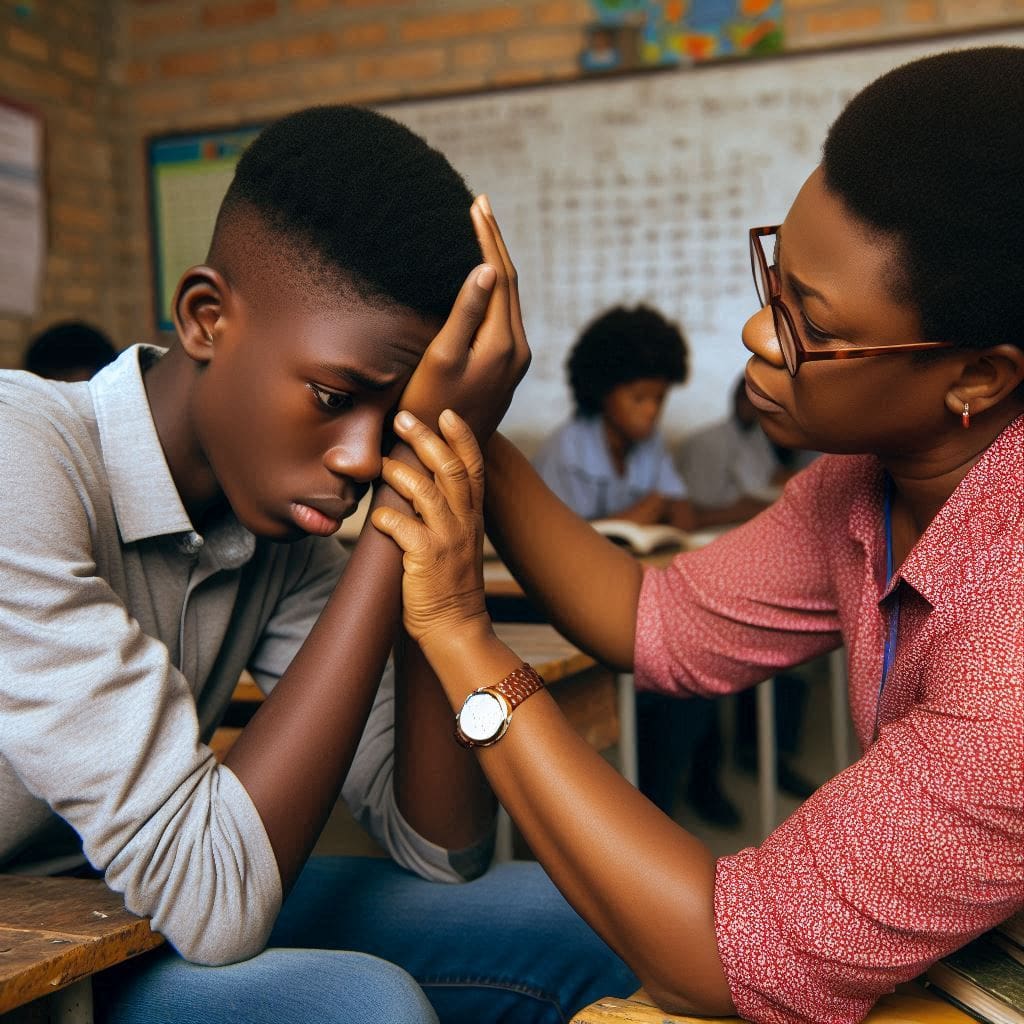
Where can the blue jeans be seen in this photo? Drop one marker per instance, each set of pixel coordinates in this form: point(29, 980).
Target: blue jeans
point(360, 940)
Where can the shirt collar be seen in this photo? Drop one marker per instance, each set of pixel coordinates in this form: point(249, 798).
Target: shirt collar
point(145, 498)
point(965, 543)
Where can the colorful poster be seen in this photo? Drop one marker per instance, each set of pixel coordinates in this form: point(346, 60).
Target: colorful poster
point(684, 31)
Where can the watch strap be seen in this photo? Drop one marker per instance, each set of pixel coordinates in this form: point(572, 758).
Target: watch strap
point(519, 684)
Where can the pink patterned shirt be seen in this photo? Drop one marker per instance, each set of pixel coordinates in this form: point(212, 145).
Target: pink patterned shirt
point(919, 845)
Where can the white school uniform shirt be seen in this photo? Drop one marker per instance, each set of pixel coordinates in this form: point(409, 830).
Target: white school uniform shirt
point(575, 463)
point(122, 635)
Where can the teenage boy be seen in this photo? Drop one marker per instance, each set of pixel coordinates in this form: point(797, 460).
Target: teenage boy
point(170, 522)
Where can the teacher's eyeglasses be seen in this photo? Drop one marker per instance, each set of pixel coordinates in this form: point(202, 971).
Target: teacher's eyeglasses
point(794, 352)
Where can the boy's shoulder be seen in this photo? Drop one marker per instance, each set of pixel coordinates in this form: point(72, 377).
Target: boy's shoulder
point(35, 406)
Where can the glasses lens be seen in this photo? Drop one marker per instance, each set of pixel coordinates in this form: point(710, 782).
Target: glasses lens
point(785, 333)
point(759, 267)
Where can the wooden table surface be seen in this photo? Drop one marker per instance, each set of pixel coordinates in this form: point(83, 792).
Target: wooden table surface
point(910, 1004)
point(56, 931)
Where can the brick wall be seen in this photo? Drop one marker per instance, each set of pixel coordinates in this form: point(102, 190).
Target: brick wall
point(54, 56)
point(143, 67)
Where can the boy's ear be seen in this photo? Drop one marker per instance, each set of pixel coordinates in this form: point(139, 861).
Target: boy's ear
point(198, 306)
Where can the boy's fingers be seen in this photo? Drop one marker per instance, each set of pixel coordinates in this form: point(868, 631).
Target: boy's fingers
point(510, 272)
point(499, 307)
point(405, 531)
point(454, 339)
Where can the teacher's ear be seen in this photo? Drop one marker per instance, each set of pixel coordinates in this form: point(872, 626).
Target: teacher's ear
point(986, 380)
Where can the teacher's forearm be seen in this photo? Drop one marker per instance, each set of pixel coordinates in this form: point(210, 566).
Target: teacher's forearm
point(588, 587)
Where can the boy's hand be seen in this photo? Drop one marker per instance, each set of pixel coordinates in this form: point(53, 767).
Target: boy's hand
point(473, 367)
point(442, 587)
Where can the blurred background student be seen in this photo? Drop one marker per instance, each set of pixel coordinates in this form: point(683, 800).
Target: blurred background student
point(610, 461)
point(732, 466)
point(70, 350)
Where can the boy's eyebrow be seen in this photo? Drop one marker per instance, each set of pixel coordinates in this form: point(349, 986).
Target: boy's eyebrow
point(359, 378)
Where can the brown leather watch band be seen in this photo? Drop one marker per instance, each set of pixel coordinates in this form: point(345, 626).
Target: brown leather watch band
point(519, 684)
point(509, 693)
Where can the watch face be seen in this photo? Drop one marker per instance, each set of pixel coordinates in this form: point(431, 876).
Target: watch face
point(482, 717)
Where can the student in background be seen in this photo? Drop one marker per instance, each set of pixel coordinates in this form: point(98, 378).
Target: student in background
point(732, 465)
point(611, 461)
point(172, 524)
point(71, 350)
point(888, 336)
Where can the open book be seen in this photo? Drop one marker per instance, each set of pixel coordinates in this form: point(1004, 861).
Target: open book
point(984, 979)
point(642, 538)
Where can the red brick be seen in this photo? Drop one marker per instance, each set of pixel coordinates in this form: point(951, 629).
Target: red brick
point(264, 51)
point(36, 82)
point(73, 217)
point(454, 24)
point(845, 20)
point(161, 102)
point(78, 63)
point(563, 12)
point(365, 36)
point(535, 47)
point(238, 12)
point(241, 90)
point(27, 44)
point(162, 24)
point(196, 62)
point(413, 64)
point(479, 53)
point(311, 45)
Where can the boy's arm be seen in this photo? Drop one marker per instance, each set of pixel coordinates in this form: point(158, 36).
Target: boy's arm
point(294, 754)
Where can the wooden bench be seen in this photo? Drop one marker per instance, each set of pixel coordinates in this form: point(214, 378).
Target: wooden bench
point(909, 1004)
point(55, 933)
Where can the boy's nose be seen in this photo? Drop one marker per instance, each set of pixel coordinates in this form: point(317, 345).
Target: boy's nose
point(357, 456)
point(759, 337)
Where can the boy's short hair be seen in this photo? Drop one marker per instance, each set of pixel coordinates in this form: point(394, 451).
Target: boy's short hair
point(620, 346)
point(66, 347)
point(932, 152)
point(357, 200)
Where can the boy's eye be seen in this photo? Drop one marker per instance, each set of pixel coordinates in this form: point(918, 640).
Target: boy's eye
point(332, 401)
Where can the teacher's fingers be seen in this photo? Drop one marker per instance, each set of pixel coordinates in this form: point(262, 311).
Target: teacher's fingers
point(464, 444)
point(451, 475)
point(406, 531)
point(421, 492)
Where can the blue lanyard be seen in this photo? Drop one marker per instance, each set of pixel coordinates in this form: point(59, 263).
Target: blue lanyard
point(889, 654)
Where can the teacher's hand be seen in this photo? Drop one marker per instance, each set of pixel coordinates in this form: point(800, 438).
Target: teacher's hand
point(442, 586)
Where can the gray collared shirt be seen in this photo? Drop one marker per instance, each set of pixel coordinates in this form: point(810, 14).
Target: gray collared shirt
point(122, 635)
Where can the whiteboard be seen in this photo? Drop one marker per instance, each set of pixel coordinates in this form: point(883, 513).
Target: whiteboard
point(641, 189)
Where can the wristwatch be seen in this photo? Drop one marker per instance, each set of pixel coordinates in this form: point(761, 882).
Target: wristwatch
point(487, 711)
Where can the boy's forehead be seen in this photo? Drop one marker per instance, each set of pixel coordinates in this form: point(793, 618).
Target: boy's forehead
point(343, 329)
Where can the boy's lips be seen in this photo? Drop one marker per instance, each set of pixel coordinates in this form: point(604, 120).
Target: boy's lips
point(323, 518)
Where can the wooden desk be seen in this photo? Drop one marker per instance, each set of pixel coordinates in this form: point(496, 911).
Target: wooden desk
point(55, 933)
point(910, 1004)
